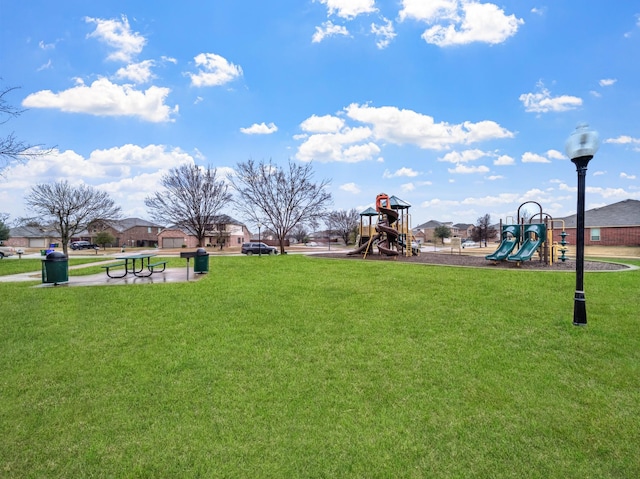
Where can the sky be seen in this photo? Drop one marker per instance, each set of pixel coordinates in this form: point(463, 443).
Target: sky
point(459, 107)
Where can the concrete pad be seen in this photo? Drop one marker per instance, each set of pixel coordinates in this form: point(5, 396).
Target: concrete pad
point(170, 275)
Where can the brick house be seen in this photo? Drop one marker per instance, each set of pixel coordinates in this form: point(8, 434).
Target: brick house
point(424, 233)
point(32, 237)
point(617, 224)
point(226, 232)
point(131, 232)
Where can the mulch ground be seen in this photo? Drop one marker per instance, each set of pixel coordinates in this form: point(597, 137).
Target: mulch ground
point(449, 259)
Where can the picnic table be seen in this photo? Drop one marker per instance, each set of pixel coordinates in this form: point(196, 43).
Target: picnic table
point(137, 264)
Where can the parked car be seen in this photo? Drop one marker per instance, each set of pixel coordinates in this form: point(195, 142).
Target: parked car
point(257, 248)
point(83, 245)
point(470, 244)
point(7, 251)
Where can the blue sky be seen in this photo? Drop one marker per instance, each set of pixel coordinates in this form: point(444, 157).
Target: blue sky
point(459, 107)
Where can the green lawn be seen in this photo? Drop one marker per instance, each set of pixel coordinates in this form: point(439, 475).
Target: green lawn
point(294, 366)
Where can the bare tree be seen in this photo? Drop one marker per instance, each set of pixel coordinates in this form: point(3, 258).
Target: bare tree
point(344, 223)
point(70, 208)
point(483, 231)
point(11, 148)
point(192, 199)
point(300, 234)
point(280, 198)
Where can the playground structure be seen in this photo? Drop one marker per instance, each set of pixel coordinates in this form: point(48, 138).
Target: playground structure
point(529, 239)
point(391, 234)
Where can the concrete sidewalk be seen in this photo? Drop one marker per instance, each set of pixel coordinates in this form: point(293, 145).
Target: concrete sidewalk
point(170, 275)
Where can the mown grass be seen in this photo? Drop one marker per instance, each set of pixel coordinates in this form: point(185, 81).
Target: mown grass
point(308, 367)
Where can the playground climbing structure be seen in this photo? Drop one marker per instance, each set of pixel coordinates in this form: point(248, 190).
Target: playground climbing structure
point(391, 235)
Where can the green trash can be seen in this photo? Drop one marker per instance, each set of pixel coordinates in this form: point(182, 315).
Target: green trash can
point(201, 261)
point(55, 268)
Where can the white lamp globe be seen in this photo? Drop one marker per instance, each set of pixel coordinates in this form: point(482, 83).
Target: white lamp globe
point(584, 141)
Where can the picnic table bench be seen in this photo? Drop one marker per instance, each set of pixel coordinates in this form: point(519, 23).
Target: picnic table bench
point(130, 263)
point(116, 265)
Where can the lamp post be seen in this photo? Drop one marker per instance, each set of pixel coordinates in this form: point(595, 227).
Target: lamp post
point(580, 147)
point(259, 240)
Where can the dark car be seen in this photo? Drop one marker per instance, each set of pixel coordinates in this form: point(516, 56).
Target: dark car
point(257, 248)
point(83, 245)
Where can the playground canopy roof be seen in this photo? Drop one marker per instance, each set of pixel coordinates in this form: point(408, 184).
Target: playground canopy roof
point(369, 212)
point(398, 204)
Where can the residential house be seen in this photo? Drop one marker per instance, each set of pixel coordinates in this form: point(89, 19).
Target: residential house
point(424, 233)
point(225, 232)
point(464, 230)
point(130, 232)
point(32, 237)
point(617, 224)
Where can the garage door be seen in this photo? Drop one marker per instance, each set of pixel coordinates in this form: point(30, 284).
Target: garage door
point(172, 242)
point(36, 243)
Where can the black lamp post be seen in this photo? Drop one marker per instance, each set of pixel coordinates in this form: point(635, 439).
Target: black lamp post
point(580, 147)
point(259, 240)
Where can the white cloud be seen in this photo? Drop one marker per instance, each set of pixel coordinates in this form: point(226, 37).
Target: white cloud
point(409, 127)
point(45, 66)
point(481, 22)
point(504, 160)
point(430, 11)
point(407, 187)
point(543, 102)
point(334, 140)
point(555, 155)
point(349, 8)
point(46, 46)
point(118, 35)
point(607, 81)
point(128, 173)
point(494, 177)
point(626, 176)
point(384, 32)
point(344, 146)
point(350, 188)
point(623, 140)
point(260, 129)
point(493, 200)
point(458, 22)
point(464, 169)
point(599, 173)
point(529, 157)
point(328, 29)
point(408, 172)
point(463, 156)
point(322, 124)
point(214, 70)
point(104, 98)
point(137, 72)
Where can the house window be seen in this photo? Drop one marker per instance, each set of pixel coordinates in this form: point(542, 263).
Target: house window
point(239, 240)
point(149, 229)
point(595, 234)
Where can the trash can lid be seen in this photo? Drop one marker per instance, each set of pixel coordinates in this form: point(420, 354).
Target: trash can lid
point(56, 256)
point(201, 252)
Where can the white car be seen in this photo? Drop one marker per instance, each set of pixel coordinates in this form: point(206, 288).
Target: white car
point(7, 251)
point(470, 244)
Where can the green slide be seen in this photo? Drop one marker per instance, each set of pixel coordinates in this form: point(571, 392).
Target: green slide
point(504, 250)
point(531, 244)
point(510, 237)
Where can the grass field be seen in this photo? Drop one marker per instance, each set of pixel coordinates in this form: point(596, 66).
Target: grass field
point(294, 366)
